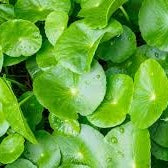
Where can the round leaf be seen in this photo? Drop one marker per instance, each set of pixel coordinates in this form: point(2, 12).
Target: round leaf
point(150, 94)
point(46, 153)
point(153, 23)
point(159, 152)
point(143, 53)
point(25, 38)
point(38, 10)
point(73, 166)
point(69, 93)
point(31, 108)
point(67, 127)
point(159, 130)
point(115, 106)
point(130, 147)
point(119, 48)
point(88, 148)
point(77, 45)
point(45, 58)
point(11, 148)
point(21, 163)
point(97, 13)
point(55, 25)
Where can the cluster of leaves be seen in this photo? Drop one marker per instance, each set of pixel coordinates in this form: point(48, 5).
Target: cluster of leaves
point(83, 83)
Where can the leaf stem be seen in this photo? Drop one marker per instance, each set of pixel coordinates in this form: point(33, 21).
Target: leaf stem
point(21, 86)
point(125, 13)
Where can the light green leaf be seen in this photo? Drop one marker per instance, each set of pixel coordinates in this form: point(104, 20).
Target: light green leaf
point(46, 57)
point(11, 148)
point(150, 94)
point(6, 12)
point(67, 127)
point(76, 47)
point(73, 166)
point(25, 38)
point(34, 10)
point(88, 148)
point(70, 93)
point(31, 108)
point(115, 106)
point(32, 67)
point(55, 25)
point(97, 13)
point(153, 22)
point(1, 58)
point(119, 48)
point(130, 146)
point(21, 163)
point(4, 125)
point(12, 112)
point(46, 153)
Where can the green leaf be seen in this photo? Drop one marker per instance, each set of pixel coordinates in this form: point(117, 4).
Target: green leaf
point(143, 53)
point(88, 148)
point(32, 67)
point(31, 108)
point(115, 106)
point(4, 125)
point(132, 8)
point(70, 93)
point(46, 57)
point(159, 152)
point(11, 148)
point(6, 12)
point(9, 61)
point(76, 47)
point(97, 13)
point(119, 48)
point(67, 127)
point(15, 119)
point(38, 10)
point(159, 130)
point(25, 38)
point(73, 166)
point(55, 25)
point(21, 163)
point(1, 58)
point(46, 153)
point(153, 23)
point(130, 147)
point(150, 94)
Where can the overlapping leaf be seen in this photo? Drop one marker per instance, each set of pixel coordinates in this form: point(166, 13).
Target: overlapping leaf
point(70, 93)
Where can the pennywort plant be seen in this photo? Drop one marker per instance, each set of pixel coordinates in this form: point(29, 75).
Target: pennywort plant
point(83, 83)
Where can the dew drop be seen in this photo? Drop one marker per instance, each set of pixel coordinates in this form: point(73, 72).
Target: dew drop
point(109, 160)
point(114, 140)
point(98, 76)
point(121, 130)
point(112, 43)
point(120, 153)
point(156, 54)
